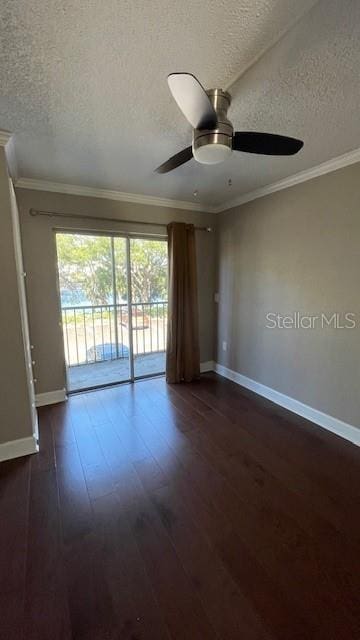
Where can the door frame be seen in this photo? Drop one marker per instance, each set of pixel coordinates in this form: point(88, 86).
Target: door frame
point(110, 234)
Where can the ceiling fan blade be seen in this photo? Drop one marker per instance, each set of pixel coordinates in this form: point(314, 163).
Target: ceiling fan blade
point(269, 144)
point(175, 161)
point(193, 100)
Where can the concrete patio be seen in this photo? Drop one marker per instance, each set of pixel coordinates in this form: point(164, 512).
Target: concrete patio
point(101, 373)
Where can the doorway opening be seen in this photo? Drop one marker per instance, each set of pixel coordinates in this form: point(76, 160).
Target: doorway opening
point(113, 296)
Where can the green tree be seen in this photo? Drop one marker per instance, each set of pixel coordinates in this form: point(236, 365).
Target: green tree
point(148, 270)
point(85, 264)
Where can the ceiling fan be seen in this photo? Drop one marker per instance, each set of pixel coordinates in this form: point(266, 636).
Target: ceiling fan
point(213, 135)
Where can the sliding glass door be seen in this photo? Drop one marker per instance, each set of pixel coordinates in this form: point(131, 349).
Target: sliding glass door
point(148, 270)
point(113, 294)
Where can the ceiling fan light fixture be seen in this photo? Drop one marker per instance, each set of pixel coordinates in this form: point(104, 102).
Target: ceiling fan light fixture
point(212, 148)
point(213, 135)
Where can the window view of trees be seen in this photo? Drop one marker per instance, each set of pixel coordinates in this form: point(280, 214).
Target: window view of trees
point(85, 269)
point(148, 270)
point(86, 276)
point(98, 326)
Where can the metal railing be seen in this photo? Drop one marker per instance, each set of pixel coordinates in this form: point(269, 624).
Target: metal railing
point(95, 333)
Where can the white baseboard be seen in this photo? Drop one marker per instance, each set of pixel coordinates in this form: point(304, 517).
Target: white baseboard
point(53, 397)
point(207, 366)
point(342, 429)
point(18, 448)
point(50, 397)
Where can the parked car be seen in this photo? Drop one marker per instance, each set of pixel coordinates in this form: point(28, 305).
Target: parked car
point(107, 351)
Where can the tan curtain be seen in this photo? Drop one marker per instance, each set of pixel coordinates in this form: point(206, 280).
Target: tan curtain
point(182, 354)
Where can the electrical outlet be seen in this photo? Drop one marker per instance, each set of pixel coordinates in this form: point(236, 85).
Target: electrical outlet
point(224, 345)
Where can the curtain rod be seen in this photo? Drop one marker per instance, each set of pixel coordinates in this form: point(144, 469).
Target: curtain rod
point(79, 216)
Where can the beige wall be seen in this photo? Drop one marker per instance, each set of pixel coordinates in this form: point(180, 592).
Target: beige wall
point(40, 264)
point(15, 404)
point(295, 250)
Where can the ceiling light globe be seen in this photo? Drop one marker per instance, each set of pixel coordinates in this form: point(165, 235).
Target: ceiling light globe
point(212, 153)
point(212, 148)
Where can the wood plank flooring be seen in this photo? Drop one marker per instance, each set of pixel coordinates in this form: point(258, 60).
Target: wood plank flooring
point(184, 512)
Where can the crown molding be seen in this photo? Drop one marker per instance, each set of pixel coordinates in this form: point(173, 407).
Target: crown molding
point(321, 169)
point(5, 137)
point(7, 142)
point(303, 176)
point(108, 194)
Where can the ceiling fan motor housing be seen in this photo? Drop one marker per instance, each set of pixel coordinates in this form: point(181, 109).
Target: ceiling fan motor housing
point(211, 146)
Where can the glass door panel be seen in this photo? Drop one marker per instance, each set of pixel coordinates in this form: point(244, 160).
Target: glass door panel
point(109, 335)
point(94, 307)
point(148, 269)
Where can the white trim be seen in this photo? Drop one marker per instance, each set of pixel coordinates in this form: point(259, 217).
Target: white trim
point(325, 167)
point(109, 194)
point(7, 142)
point(18, 448)
point(71, 189)
point(11, 159)
point(50, 397)
point(207, 366)
point(5, 137)
point(342, 429)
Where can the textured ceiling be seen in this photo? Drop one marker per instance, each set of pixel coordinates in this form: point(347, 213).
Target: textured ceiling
point(83, 87)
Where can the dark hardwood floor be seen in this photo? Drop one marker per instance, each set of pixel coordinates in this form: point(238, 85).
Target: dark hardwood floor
point(198, 511)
